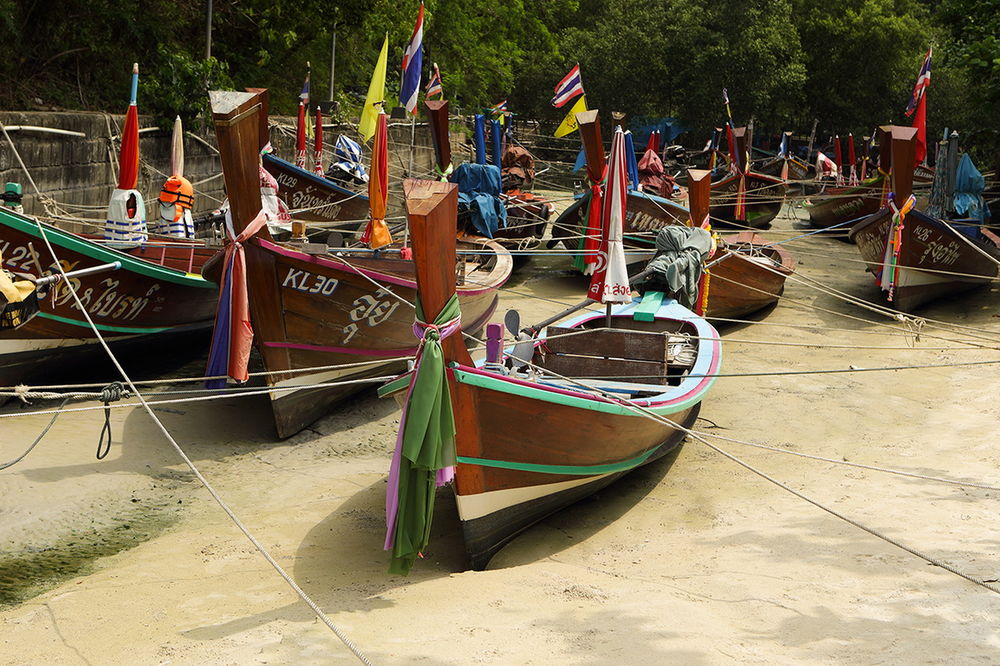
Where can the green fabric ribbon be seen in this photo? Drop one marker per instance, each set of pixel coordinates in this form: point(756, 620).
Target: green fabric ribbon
point(428, 441)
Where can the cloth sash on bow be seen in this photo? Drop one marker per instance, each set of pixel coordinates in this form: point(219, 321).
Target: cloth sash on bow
point(233, 334)
point(894, 244)
point(425, 446)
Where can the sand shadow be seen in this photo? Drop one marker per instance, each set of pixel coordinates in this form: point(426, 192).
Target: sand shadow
point(585, 518)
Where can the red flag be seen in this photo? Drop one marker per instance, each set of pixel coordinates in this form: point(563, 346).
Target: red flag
point(920, 122)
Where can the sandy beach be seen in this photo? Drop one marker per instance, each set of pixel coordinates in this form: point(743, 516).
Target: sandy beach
point(691, 560)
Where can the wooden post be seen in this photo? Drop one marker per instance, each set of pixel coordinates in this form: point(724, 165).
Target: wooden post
point(904, 155)
point(432, 207)
point(438, 110)
point(589, 123)
point(238, 132)
point(699, 193)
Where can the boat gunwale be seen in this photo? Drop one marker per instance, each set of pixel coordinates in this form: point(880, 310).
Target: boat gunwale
point(76, 243)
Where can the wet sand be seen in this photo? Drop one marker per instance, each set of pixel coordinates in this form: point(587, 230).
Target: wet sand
point(690, 560)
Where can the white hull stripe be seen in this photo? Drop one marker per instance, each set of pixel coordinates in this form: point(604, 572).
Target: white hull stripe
point(471, 507)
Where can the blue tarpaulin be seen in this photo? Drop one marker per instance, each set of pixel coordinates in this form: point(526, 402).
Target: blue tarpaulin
point(479, 194)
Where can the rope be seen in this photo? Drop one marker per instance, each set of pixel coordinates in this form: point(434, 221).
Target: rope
point(847, 463)
point(215, 495)
point(642, 411)
point(112, 393)
point(11, 463)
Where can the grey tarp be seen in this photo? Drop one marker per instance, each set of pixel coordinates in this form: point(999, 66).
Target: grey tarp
point(679, 262)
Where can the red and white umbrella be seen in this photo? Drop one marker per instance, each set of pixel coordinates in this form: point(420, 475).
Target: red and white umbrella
point(609, 283)
point(300, 138)
point(126, 220)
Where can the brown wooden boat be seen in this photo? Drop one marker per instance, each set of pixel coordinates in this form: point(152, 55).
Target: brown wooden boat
point(309, 197)
point(157, 292)
point(517, 458)
point(751, 273)
point(527, 215)
point(763, 195)
point(324, 318)
point(934, 259)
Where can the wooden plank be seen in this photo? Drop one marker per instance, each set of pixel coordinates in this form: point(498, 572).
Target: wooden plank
point(620, 343)
point(611, 368)
point(699, 195)
point(649, 306)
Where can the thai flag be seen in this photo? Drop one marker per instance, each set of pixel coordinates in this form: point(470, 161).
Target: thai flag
point(923, 83)
point(434, 88)
point(498, 108)
point(412, 62)
point(568, 88)
point(304, 95)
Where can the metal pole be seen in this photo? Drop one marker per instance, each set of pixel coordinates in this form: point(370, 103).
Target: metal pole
point(333, 60)
point(208, 32)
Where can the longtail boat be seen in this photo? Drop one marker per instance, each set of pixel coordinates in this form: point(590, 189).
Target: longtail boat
point(743, 197)
point(310, 197)
point(322, 316)
point(751, 273)
point(527, 444)
point(527, 215)
point(157, 292)
point(747, 273)
point(784, 165)
point(916, 257)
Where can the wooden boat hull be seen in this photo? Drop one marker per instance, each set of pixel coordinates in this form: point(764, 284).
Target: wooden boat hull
point(935, 260)
point(745, 284)
point(509, 478)
point(317, 199)
point(527, 221)
point(645, 215)
point(749, 277)
point(838, 205)
point(797, 170)
point(341, 319)
point(765, 195)
point(144, 299)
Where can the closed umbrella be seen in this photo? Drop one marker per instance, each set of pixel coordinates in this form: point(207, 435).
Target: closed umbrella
point(610, 281)
point(377, 232)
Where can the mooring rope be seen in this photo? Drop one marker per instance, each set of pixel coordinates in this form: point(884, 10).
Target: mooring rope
point(643, 411)
point(194, 469)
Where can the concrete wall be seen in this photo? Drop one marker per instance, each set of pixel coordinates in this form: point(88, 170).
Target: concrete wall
point(79, 173)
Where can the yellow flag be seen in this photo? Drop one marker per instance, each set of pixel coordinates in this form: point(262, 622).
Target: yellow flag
point(568, 125)
point(376, 94)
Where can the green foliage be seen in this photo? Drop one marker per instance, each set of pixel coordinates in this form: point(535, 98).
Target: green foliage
point(178, 86)
point(850, 64)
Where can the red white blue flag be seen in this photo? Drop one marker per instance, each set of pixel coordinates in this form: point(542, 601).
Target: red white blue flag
point(412, 63)
point(568, 88)
point(923, 83)
point(498, 108)
point(434, 88)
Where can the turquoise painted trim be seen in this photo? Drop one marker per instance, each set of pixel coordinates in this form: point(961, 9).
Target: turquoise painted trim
point(576, 470)
point(648, 307)
point(101, 253)
point(102, 327)
point(393, 385)
point(532, 393)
